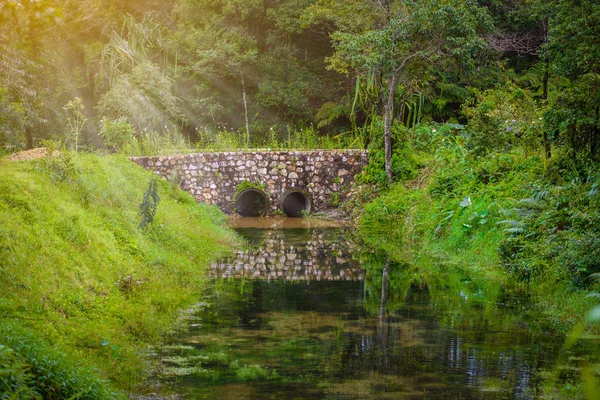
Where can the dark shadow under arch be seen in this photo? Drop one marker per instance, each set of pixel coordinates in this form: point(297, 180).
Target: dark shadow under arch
point(251, 203)
point(295, 203)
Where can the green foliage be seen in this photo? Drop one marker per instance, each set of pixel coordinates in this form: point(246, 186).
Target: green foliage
point(504, 213)
point(75, 121)
point(58, 163)
point(504, 118)
point(302, 138)
point(571, 45)
point(144, 97)
point(116, 133)
point(15, 382)
point(575, 117)
point(308, 138)
point(149, 205)
point(553, 232)
point(285, 85)
point(210, 65)
point(12, 123)
point(36, 371)
point(386, 209)
point(158, 143)
point(404, 161)
point(437, 138)
point(254, 372)
point(80, 276)
point(243, 185)
point(26, 19)
point(136, 44)
point(249, 372)
point(220, 141)
point(335, 199)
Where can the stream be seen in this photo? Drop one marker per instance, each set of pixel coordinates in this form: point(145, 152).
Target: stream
point(305, 313)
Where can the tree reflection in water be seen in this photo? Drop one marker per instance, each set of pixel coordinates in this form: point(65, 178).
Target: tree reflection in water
point(337, 319)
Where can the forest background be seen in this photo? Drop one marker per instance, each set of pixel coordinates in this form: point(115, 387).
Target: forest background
point(518, 71)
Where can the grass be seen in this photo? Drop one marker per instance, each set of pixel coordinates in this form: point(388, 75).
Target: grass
point(80, 281)
point(307, 138)
point(460, 210)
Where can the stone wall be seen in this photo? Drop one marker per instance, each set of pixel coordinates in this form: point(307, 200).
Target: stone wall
point(213, 178)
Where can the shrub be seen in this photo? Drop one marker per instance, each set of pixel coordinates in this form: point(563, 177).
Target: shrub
point(116, 133)
point(34, 370)
point(555, 231)
point(502, 118)
point(404, 162)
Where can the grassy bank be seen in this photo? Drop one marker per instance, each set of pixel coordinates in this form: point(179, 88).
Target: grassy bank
point(509, 216)
point(82, 285)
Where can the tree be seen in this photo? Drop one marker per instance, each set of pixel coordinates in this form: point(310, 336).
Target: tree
point(24, 25)
point(402, 40)
point(12, 123)
point(573, 48)
point(144, 97)
point(218, 47)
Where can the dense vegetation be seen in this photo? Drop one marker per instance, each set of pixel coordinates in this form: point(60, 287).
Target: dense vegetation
point(482, 118)
point(148, 77)
point(83, 285)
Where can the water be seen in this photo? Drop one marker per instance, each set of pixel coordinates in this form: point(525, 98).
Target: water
point(306, 314)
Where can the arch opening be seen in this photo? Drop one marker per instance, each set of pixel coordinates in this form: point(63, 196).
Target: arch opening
point(251, 203)
point(295, 204)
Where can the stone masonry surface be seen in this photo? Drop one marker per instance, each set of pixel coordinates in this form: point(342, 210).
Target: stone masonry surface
point(317, 259)
point(213, 178)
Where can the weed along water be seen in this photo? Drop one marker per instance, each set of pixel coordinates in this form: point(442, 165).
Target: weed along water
point(305, 313)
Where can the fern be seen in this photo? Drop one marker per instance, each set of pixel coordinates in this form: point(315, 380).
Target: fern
point(329, 112)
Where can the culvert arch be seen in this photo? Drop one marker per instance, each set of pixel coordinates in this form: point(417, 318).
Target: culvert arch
point(295, 203)
point(252, 202)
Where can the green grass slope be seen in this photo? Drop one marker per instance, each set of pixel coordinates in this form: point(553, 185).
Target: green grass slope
point(81, 284)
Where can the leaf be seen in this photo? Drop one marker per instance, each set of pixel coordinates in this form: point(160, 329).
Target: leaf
point(466, 202)
point(594, 314)
point(594, 276)
point(105, 343)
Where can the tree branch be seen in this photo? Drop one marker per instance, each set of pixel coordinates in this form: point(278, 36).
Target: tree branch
point(406, 60)
point(385, 10)
point(520, 43)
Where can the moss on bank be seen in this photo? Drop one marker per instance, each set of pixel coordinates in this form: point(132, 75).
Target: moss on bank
point(81, 284)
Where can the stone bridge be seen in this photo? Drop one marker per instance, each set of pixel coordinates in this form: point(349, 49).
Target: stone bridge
point(263, 182)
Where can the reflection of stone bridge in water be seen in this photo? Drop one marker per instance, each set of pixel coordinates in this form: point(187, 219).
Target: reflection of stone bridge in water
point(320, 257)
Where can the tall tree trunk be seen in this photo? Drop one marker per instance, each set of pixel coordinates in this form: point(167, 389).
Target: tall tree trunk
point(29, 137)
point(547, 146)
point(246, 111)
point(389, 117)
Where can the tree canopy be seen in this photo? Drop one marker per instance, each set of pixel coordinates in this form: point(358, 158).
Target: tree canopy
point(261, 69)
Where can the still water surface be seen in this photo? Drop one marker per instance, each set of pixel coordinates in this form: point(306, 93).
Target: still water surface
point(306, 314)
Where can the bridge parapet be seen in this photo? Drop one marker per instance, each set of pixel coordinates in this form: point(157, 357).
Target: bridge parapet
point(213, 178)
